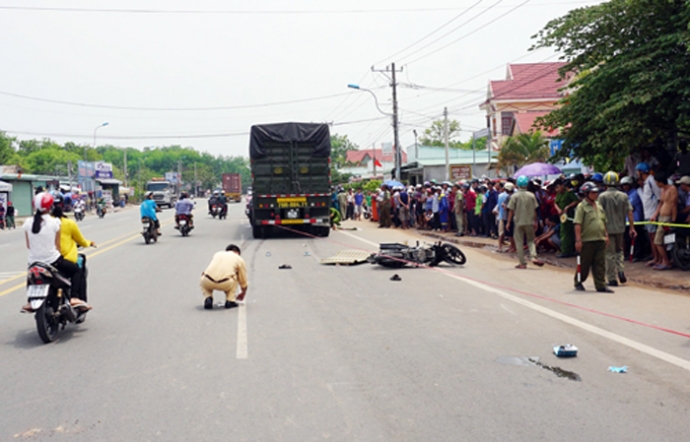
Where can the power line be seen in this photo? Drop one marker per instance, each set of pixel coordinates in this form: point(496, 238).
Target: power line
point(250, 11)
point(431, 33)
point(472, 32)
point(171, 109)
point(453, 30)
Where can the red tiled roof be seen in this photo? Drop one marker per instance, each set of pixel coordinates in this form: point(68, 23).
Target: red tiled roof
point(357, 156)
point(529, 81)
point(524, 122)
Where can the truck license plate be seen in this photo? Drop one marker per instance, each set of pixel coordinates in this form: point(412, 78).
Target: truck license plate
point(287, 203)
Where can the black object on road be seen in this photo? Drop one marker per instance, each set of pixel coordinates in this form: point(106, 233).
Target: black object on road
point(396, 278)
point(285, 267)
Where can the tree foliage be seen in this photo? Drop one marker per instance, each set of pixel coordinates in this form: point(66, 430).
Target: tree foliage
point(522, 149)
point(434, 135)
point(340, 145)
point(50, 158)
point(632, 82)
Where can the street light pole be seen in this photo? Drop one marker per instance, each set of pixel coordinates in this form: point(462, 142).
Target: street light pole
point(94, 137)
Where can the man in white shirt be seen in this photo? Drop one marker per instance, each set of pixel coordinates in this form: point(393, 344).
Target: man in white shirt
point(650, 196)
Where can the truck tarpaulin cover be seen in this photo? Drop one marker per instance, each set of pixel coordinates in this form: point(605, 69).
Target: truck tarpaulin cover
point(317, 134)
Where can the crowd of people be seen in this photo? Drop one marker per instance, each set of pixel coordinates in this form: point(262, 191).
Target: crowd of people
point(552, 218)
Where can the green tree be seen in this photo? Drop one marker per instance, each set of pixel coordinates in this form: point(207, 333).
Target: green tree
point(49, 161)
point(633, 82)
point(523, 149)
point(7, 152)
point(434, 134)
point(340, 145)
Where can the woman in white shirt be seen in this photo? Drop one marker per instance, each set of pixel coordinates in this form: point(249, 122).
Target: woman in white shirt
point(42, 233)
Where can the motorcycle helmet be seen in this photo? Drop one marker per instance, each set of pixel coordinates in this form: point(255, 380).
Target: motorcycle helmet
point(597, 178)
point(43, 202)
point(509, 186)
point(588, 187)
point(627, 180)
point(642, 167)
point(148, 194)
point(522, 181)
point(611, 178)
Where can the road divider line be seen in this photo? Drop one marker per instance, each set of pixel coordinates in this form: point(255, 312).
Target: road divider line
point(242, 331)
point(91, 255)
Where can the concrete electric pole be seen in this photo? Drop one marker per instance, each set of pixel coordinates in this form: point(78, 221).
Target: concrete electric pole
point(396, 137)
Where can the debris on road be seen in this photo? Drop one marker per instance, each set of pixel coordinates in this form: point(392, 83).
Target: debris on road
point(396, 278)
point(285, 267)
point(347, 257)
point(623, 369)
point(268, 253)
point(306, 254)
point(565, 351)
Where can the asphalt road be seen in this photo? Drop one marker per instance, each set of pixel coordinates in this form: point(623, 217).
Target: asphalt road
point(335, 352)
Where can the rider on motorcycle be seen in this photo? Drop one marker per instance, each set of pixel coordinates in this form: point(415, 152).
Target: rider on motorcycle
point(101, 205)
point(213, 200)
point(43, 239)
point(70, 238)
point(223, 201)
point(148, 209)
point(184, 207)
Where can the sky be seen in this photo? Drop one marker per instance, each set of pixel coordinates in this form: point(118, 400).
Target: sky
point(201, 73)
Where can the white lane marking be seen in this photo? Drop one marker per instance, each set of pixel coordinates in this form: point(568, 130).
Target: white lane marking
point(507, 309)
point(375, 244)
point(242, 331)
point(646, 349)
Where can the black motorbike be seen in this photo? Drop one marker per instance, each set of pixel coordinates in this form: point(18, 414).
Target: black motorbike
point(48, 294)
point(149, 231)
point(396, 255)
point(677, 241)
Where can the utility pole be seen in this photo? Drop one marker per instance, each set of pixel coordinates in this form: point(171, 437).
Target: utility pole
point(69, 173)
point(125, 160)
point(195, 184)
point(445, 141)
point(396, 137)
point(179, 176)
point(373, 154)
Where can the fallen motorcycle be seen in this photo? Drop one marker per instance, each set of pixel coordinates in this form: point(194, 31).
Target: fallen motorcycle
point(396, 255)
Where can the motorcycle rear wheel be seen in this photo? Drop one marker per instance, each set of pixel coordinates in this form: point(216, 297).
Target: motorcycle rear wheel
point(454, 255)
point(46, 324)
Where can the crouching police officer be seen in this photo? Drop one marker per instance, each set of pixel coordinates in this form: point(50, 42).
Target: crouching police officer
point(226, 270)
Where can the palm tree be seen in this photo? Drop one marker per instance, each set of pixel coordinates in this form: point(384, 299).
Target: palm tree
point(522, 149)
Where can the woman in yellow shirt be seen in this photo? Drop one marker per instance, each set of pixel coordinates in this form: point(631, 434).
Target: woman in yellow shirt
point(70, 238)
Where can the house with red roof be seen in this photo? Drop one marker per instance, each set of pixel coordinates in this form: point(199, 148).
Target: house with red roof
point(361, 162)
point(530, 90)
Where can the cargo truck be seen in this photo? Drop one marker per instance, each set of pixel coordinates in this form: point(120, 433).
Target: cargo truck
point(164, 192)
point(290, 178)
point(232, 186)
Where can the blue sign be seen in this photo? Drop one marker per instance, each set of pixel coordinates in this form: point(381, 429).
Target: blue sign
point(555, 146)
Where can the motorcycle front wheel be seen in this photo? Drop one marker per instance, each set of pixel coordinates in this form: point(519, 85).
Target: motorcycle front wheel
point(453, 255)
point(46, 324)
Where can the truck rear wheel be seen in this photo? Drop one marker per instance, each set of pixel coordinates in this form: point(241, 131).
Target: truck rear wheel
point(257, 232)
point(323, 232)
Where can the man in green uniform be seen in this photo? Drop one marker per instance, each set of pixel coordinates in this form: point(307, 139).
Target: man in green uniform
point(565, 204)
point(617, 207)
point(591, 239)
point(522, 210)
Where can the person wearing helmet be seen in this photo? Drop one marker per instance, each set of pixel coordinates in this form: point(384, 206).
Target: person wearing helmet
point(148, 209)
point(184, 207)
point(591, 239)
point(70, 238)
point(42, 234)
point(597, 178)
point(213, 200)
point(617, 208)
point(650, 195)
point(522, 210)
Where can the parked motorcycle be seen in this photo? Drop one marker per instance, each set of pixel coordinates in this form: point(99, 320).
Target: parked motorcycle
point(48, 293)
point(185, 224)
point(677, 241)
point(398, 255)
point(149, 230)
